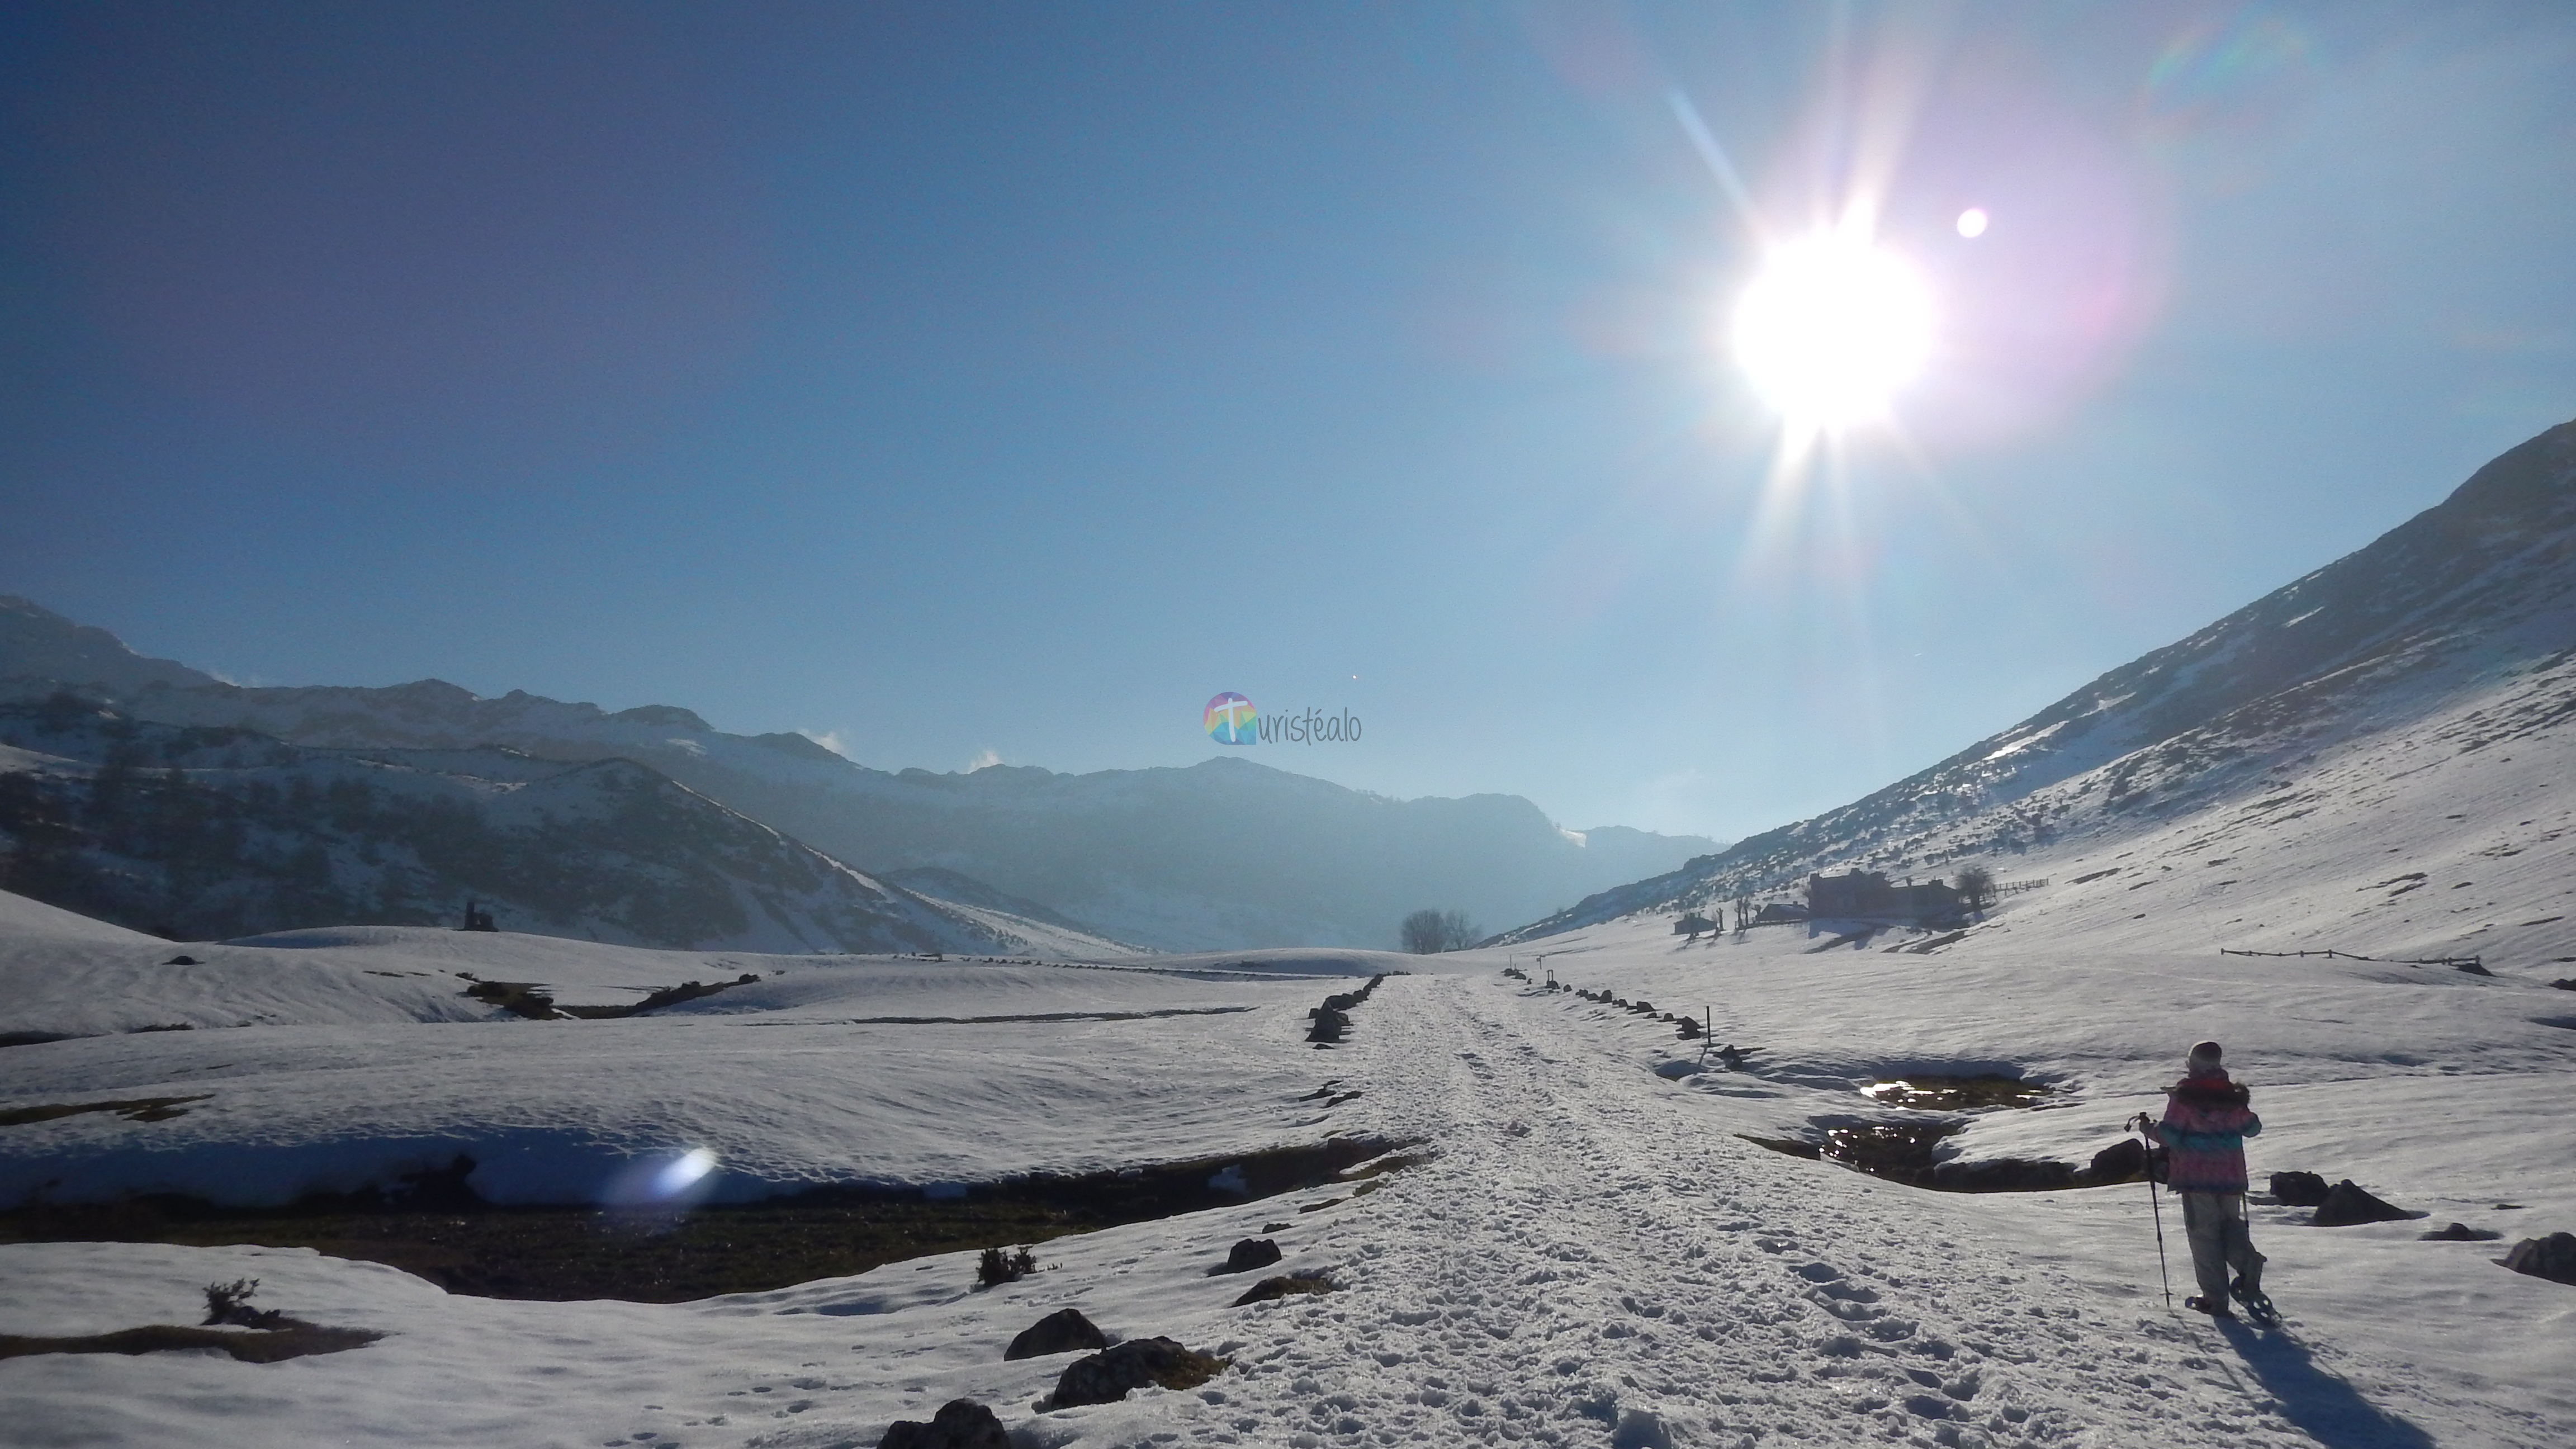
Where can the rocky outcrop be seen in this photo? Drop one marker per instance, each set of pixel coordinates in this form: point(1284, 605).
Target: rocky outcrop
point(2460, 1233)
point(1249, 1254)
point(1108, 1376)
point(2298, 1189)
point(2552, 1257)
point(1062, 1331)
point(959, 1424)
point(2122, 1161)
point(2347, 1204)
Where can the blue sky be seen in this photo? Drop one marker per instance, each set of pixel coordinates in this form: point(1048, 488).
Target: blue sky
point(974, 381)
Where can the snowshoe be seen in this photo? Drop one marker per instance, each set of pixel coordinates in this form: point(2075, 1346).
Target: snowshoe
point(2198, 1304)
point(2258, 1304)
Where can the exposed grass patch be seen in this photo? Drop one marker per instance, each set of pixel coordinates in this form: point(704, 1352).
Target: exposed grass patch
point(528, 999)
point(248, 1345)
point(519, 998)
point(1286, 1286)
point(135, 1109)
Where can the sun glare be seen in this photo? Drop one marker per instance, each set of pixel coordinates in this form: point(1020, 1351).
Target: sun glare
point(1831, 330)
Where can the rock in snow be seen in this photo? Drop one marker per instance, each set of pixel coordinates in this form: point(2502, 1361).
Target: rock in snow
point(2298, 1189)
point(1062, 1331)
point(1247, 1255)
point(1108, 1376)
point(959, 1424)
point(2552, 1257)
point(2347, 1204)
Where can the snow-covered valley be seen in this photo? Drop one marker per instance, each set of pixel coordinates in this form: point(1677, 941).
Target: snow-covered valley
point(1590, 1252)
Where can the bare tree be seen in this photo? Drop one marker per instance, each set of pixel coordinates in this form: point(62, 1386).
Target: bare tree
point(1423, 932)
point(1976, 887)
point(1457, 933)
point(1427, 933)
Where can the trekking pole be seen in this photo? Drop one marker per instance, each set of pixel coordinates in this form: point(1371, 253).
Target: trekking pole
point(2155, 1204)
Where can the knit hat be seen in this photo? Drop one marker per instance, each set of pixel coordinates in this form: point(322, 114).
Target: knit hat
point(2204, 1059)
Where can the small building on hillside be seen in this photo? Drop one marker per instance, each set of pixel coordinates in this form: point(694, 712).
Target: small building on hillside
point(1867, 895)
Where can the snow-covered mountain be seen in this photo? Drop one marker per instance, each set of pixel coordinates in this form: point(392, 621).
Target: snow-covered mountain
point(1151, 856)
point(2396, 679)
point(203, 833)
point(41, 644)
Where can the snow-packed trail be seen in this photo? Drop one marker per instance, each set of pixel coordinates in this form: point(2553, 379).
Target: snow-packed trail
point(1593, 1253)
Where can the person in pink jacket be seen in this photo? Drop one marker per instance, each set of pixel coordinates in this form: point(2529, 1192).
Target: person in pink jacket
point(2205, 1125)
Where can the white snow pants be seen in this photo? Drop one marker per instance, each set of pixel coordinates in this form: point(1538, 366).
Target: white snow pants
point(2215, 1223)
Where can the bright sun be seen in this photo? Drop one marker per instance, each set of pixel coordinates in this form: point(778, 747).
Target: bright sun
point(1831, 330)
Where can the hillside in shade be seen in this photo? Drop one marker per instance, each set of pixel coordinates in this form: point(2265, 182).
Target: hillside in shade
point(209, 833)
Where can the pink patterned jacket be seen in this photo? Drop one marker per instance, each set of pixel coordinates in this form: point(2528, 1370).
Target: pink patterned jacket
point(2205, 1124)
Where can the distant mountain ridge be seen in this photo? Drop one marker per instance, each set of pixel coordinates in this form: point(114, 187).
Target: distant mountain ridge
point(1226, 854)
point(2477, 593)
point(38, 643)
point(203, 833)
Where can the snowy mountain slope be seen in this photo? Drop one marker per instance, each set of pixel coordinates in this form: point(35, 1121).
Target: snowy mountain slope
point(1591, 1255)
point(207, 833)
point(2453, 834)
point(2453, 632)
point(965, 890)
point(1118, 850)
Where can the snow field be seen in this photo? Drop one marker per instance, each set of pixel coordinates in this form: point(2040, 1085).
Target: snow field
point(1590, 1257)
point(2436, 1085)
point(2437, 1090)
point(553, 1111)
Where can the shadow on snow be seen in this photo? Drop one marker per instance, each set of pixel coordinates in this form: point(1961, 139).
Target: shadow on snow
point(2325, 1406)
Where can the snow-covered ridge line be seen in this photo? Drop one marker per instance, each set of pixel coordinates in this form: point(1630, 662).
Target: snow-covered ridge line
point(214, 832)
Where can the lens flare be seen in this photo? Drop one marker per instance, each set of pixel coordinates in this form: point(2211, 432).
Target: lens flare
point(1972, 222)
point(683, 1172)
point(662, 1185)
point(1832, 329)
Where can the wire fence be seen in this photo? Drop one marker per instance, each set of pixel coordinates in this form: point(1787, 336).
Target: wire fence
point(2461, 963)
